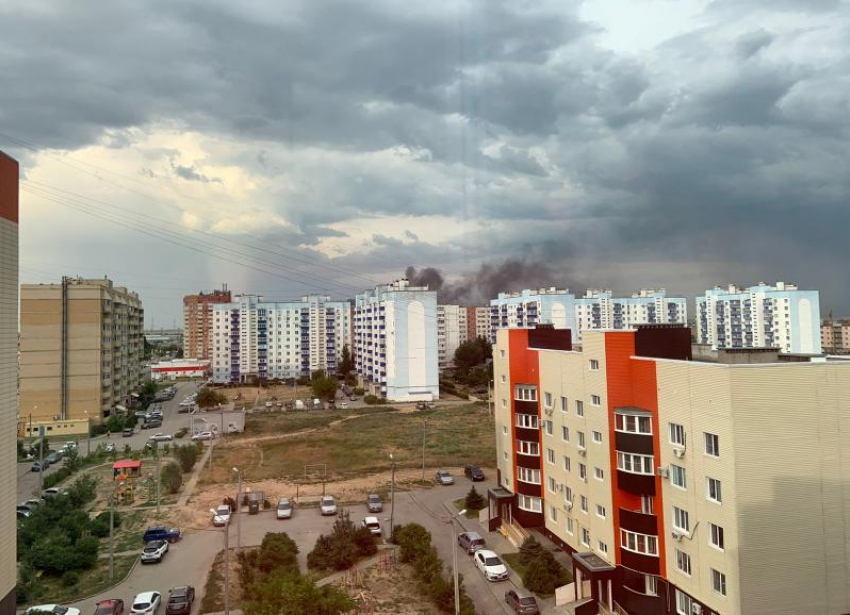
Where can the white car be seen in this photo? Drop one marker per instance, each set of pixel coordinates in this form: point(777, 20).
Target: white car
point(202, 435)
point(221, 516)
point(328, 505)
point(490, 565)
point(284, 509)
point(161, 437)
point(154, 551)
point(56, 609)
point(187, 402)
point(372, 524)
point(110, 448)
point(146, 603)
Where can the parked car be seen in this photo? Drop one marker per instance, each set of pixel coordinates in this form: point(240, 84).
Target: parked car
point(328, 505)
point(128, 432)
point(444, 477)
point(521, 602)
point(202, 435)
point(154, 551)
point(53, 491)
point(221, 516)
point(352, 398)
point(490, 565)
point(374, 503)
point(160, 532)
point(183, 409)
point(284, 509)
point(421, 405)
point(56, 609)
point(146, 603)
point(470, 542)
point(32, 504)
point(161, 437)
point(113, 606)
point(111, 448)
point(254, 500)
point(269, 404)
point(40, 466)
point(54, 458)
point(140, 414)
point(23, 511)
point(372, 524)
point(180, 600)
point(343, 405)
point(431, 405)
point(473, 473)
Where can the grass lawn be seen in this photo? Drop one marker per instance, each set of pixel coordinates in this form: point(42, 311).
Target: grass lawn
point(92, 581)
point(290, 421)
point(454, 436)
point(469, 514)
point(512, 560)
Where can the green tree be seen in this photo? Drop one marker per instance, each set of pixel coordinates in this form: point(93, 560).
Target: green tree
point(323, 386)
point(469, 355)
point(474, 500)
point(530, 550)
point(210, 398)
point(544, 574)
point(187, 456)
point(284, 593)
point(346, 364)
point(171, 478)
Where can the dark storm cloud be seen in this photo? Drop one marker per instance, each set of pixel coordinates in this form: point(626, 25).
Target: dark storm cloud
point(726, 145)
point(190, 173)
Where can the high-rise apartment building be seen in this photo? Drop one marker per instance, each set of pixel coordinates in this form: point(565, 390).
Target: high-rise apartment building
point(82, 349)
point(667, 475)
point(452, 331)
point(395, 342)
point(8, 378)
point(763, 316)
point(597, 309)
point(256, 339)
point(197, 322)
point(835, 336)
point(478, 322)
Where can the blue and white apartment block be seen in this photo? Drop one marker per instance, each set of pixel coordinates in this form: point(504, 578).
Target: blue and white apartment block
point(762, 316)
point(252, 338)
point(395, 342)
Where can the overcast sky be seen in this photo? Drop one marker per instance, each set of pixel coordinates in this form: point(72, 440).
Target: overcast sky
point(298, 146)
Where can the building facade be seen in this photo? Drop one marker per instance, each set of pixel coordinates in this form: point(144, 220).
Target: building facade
point(835, 336)
point(198, 322)
point(781, 316)
point(528, 308)
point(668, 479)
point(82, 350)
point(478, 322)
point(452, 331)
point(255, 339)
point(180, 368)
point(8, 377)
point(395, 342)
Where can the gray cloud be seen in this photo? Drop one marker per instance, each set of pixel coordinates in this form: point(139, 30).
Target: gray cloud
point(193, 175)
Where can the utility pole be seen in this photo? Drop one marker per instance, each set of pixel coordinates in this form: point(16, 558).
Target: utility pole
point(40, 458)
point(454, 560)
point(490, 398)
point(111, 535)
point(239, 516)
point(158, 477)
point(392, 499)
point(227, 569)
point(424, 423)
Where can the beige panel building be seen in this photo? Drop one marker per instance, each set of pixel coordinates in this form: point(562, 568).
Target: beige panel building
point(8, 377)
point(681, 486)
point(82, 350)
point(835, 336)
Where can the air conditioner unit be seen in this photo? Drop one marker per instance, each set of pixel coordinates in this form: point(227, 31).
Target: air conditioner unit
point(679, 452)
point(568, 505)
point(548, 411)
point(663, 472)
point(582, 451)
point(561, 487)
point(677, 536)
point(696, 609)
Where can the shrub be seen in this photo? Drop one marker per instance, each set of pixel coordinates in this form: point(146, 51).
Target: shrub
point(370, 400)
point(209, 398)
point(530, 550)
point(474, 500)
point(98, 430)
point(70, 578)
point(187, 455)
point(542, 574)
point(171, 478)
point(339, 549)
point(359, 390)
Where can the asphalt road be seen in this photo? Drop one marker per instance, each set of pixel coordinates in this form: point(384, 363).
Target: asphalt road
point(28, 481)
point(189, 560)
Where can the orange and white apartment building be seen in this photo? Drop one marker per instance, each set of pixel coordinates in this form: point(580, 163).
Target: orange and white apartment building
point(679, 485)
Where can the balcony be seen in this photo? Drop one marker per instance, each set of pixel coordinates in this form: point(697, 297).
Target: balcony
point(636, 521)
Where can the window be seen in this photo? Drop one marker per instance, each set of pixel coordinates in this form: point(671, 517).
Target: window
point(597, 437)
point(594, 364)
point(714, 493)
point(565, 433)
point(579, 408)
point(712, 444)
point(683, 603)
point(504, 429)
point(633, 424)
point(526, 421)
point(504, 378)
point(715, 536)
point(529, 503)
point(598, 474)
point(581, 441)
point(600, 511)
point(681, 521)
point(718, 582)
point(553, 486)
point(677, 434)
point(504, 403)
point(553, 514)
point(683, 562)
point(502, 353)
point(528, 475)
point(525, 393)
point(570, 526)
point(647, 504)
point(528, 448)
point(548, 425)
point(595, 400)
point(585, 537)
point(650, 587)
point(567, 464)
point(639, 543)
point(582, 471)
point(678, 476)
point(568, 494)
point(564, 404)
point(583, 504)
point(550, 456)
point(603, 548)
point(635, 464)
point(547, 400)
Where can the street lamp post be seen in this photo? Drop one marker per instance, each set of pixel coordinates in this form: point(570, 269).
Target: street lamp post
point(88, 434)
point(424, 424)
point(454, 560)
point(238, 509)
point(392, 499)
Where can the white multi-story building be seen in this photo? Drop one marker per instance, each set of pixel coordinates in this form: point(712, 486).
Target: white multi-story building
point(600, 309)
point(277, 340)
point(452, 331)
point(395, 341)
point(780, 316)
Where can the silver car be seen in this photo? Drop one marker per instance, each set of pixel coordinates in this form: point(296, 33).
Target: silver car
point(444, 477)
point(284, 509)
point(328, 505)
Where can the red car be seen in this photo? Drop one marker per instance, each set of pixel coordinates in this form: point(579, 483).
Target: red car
point(110, 607)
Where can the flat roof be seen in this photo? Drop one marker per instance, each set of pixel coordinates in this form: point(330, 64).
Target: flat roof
point(127, 463)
